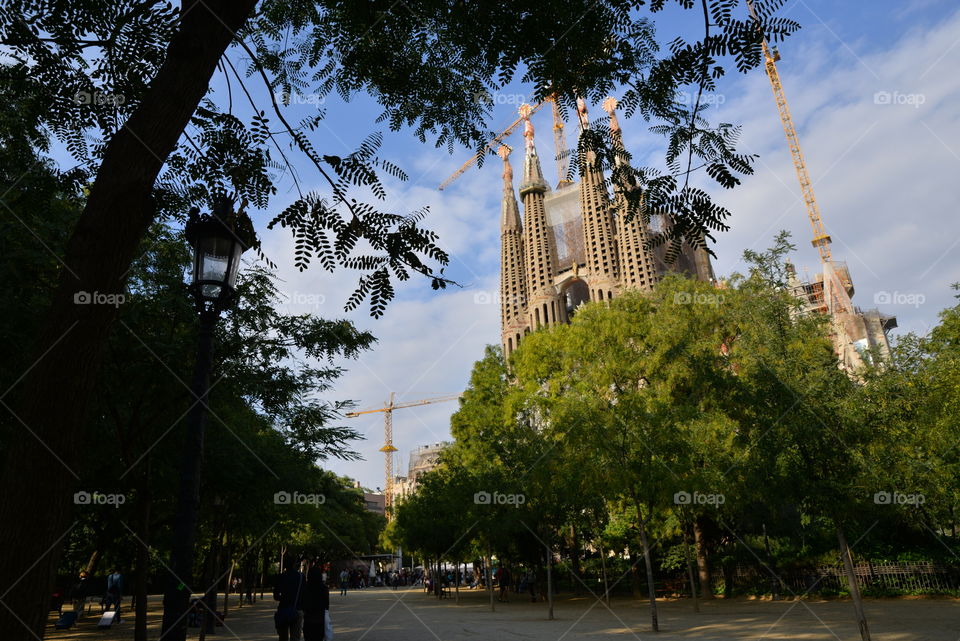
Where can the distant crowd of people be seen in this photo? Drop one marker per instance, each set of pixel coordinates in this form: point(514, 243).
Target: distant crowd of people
point(503, 581)
point(303, 594)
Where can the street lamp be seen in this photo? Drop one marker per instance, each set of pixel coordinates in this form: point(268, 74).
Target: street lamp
point(218, 239)
point(216, 257)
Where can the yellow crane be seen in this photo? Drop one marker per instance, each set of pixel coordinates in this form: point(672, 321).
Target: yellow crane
point(560, 146)
point(558, 139)
point(821, 239)
point(388, 449)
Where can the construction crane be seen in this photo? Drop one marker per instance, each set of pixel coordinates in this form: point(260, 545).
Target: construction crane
point(821, 239)
point(388, 449)
point(560, 146)
point(558, 139)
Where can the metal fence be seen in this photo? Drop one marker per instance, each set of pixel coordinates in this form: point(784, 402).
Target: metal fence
point(880, 575)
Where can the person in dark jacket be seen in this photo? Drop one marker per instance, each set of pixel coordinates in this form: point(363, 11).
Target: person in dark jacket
point(289, 592)
point(114, 593)
point(80, 592)
point(316, 602)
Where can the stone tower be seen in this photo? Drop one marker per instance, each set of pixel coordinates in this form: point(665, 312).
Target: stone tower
point(539, 244)
point(637, 270)
point(603, 261)
point(573, 244)
point(513, 284)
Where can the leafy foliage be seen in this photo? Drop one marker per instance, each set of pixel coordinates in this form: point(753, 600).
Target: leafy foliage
point(425, 63)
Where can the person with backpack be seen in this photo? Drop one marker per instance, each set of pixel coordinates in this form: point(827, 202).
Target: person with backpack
point(114, 593)
point(288, 618)
point(316, 603)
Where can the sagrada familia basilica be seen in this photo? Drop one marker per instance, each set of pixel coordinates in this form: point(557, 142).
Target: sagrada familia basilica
point(572, 245)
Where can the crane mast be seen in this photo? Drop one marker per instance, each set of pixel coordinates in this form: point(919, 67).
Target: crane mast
point(560, 146)
point(388, 448)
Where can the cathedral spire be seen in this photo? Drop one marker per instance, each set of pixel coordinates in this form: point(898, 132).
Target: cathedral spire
point(532, 173)
point(599, 236)
point(510, 214)
point(610, 106)
point(637, 264)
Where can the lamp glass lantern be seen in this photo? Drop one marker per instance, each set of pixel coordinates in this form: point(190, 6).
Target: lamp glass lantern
point(216, 257)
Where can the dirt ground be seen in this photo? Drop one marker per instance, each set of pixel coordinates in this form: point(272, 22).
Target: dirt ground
point(410, 615)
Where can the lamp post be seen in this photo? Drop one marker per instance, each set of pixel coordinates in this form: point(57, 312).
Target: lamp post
point(218, 239)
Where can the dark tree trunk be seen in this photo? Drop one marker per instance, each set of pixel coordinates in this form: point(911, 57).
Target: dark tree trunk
point(703, 562)
point(54, 394)
point(635, 583)
point(847, 558)
point(144, 503)
point(686, 554)
point(575, 560)
point(211, 572)
point(648, 565)
point(549, 582)
point(228, 560)
point(651, 585)
point(603, 569)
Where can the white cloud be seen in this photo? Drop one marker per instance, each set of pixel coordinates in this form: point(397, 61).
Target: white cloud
point(879, 132)
point(885, 177)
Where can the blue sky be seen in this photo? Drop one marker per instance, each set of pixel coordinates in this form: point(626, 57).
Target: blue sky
point(872, 87)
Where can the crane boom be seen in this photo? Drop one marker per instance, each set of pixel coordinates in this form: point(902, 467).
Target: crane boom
point(388, 448)
point(490, 145)
point(560, 146)
point(839, 297)
point(821, 239)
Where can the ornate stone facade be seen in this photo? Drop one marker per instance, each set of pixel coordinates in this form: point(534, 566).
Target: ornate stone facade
point(571, 247)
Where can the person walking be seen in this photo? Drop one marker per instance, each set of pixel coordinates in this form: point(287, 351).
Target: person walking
point(114, 593)
point(316, 602)
point(344, 578)
point(80, 592)
point(503, 577)
point(288, 618)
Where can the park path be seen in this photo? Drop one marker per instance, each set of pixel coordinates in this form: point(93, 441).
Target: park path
point(410, 615)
